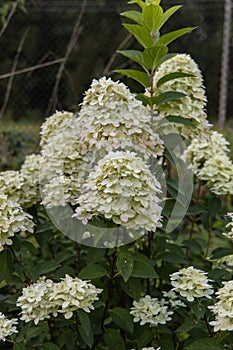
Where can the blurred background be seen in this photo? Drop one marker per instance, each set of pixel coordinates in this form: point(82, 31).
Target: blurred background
point(52, 49)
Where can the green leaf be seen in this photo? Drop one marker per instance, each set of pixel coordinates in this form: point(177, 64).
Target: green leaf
point(151, 15)
point(166, 15)
point(221, 252)
point(145, 338)
point(46, 267)
point(143, 270)
point(186, 327)
point(92, 271)
point(172, 76)
point(141, 34)
point(198, 310)
point(205, 344)
point(214, 206)
point(122, 318)
point(196, 209)
point(173, 258)
point(141, 77)
point(138, 2)
point(125, 264)
point(169, 37)
point(134, 55)
point(50, 346)
point(177, 119)
point(85, 329)
point(136, 16)
point(167, 57)
point(113, 340)
point(6, 264)
point(19, 347)
point(152, 55)
point(166, 97)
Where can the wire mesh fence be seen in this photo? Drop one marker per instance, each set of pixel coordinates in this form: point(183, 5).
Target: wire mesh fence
point(43, 34)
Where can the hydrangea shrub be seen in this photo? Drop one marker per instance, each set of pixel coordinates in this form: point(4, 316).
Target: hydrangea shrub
point(95, 250)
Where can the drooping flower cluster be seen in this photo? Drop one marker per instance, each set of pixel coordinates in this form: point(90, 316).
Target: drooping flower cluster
point(122, 189)
point(12, 219)
point(150, 310)
point(223, 309)
point(229, 234)
point(210, 162)
point(45, 297)
point(191, 283)
point(7, 327)
point(190, 106)
point(112, 118)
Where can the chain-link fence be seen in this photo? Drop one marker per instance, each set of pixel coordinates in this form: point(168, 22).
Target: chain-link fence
point(44, 34)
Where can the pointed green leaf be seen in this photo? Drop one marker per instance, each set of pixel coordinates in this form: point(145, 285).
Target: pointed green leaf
point(50, 346)
point(134, 55)
point(166, 15)
point(125, 264)
point(19, 347)
point(6, 265)
point(85, 329)
point(205, 344)
point(141, 34)
point(122, 318)
point(166, 97)
point(143, 270)
point(141, 77)
point(177, 119)
point(152, 55)
point(172, 76)
point(151, 15)
point(169, 37)
point(145, 99)
point(92, 271)
point(138, 2)
point(114, 340)
point(167, 57)
point(136, 16)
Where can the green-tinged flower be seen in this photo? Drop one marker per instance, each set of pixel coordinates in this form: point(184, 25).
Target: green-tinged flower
point(209, 160)
point(190, 106)
point(223, 309)
point(191, 283)
point(7, 327)
point(112, 118)
point(122, 189)
point(150, 310)
point(12, 220)
point(29, 172)
point(44, 298)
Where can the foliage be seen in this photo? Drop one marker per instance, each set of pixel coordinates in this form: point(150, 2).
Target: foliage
point(115, 281)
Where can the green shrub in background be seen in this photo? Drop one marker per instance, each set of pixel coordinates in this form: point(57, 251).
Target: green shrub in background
point(118, 234)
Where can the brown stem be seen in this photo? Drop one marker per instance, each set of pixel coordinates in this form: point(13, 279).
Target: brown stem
point(114, 56)
point(51, 331)
point(78, 256)
point(18, 260)
point(6, 23)
point(114, 259)
point(150, 238)
point(208, 244)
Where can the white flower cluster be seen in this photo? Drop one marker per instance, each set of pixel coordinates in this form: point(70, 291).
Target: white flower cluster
point(45, 297)
point(190, 106)
point(229, 234)
point(23, 186)
point(12, 219)
point(210, 162)
point(223, 309)
point(7, 327)
point(224, 263)
point(150, 310)
point(150, 348)
point(123, 189)
point(112, 118)
point(191, 283)
point(61, 172)
point(173, 299)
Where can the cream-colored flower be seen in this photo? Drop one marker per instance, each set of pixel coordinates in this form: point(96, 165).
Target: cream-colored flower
point(191, 283)
point(29, 172)
point(122, 189)
point(223, 309)
point(45, 298)
point(112, 118)
point(150, 310)
point(150, 348)
point(190, 106)
point(11, 183)
point(7, 327)
point(12, 220)
point(34, 301)
point(173, 299)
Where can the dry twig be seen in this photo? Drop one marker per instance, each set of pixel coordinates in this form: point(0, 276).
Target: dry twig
point(6, 23)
